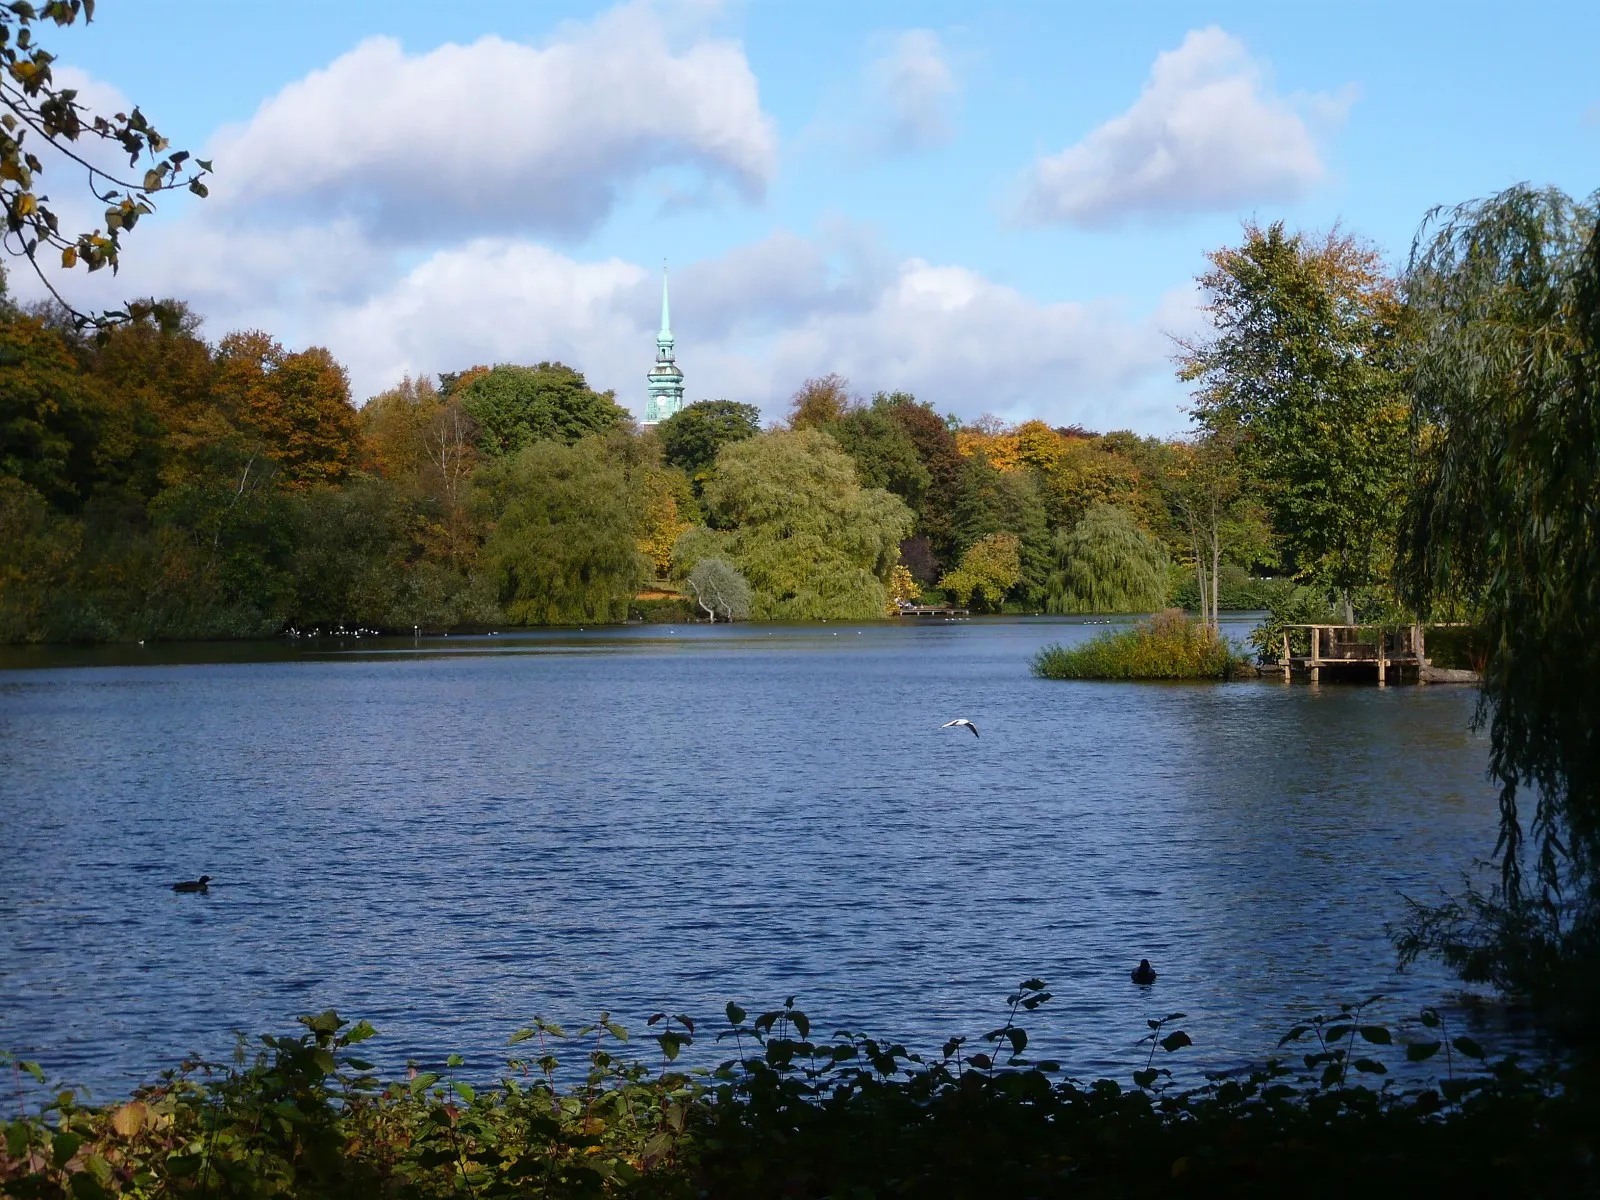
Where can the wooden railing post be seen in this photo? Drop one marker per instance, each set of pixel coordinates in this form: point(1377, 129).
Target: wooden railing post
point(1316, 653)
point(1286, 656)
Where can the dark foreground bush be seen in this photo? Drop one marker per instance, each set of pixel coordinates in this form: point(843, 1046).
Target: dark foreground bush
point(850, 1116)
point(1169, 645)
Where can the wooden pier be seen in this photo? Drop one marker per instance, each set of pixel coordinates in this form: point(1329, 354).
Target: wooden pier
point(1393, 654)
point(928, 610)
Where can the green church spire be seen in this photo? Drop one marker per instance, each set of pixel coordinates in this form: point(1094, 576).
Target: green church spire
point(665, 379)
point(664, 338)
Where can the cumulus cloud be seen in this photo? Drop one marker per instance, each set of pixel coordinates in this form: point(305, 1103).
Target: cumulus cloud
point(1206, 134)
point(499, 136)
point(753, 323)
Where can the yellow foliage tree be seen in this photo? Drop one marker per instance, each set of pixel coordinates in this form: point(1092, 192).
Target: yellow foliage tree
point(989, 569)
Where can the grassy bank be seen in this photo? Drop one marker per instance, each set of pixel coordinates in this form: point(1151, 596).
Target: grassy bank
point(1169, 645)
point(788, 1116)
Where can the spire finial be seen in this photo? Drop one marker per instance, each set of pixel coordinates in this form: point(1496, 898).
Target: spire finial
point(666, 323)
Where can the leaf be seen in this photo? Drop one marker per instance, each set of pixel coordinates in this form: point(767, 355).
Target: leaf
point(1468, 1047)
point(736, 1015)
point(324, 1062)
point(464, 1091)
point(86, 1187)
point(423, 1082)
point(1018, 1039)
point(455, 1060)
point(1145, 1077)
point(1370, 1066)
point(1295, 1034)
point(63, 1147)
point(1176, 1040)
point(130, 1118)
point(1421, 1051)
point(1376, 1034)
point(1430, 1018)
point(520, 1035)
point(616, 1031)
point(1337, 1033)
point(982, 1061)
point(199, 189)
point(802, 1023)
point(69, 257)
point(360, 1032)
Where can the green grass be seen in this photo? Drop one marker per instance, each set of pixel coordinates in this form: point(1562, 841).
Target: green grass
point(1169, 645)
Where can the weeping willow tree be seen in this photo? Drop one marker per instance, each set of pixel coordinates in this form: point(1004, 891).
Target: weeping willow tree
point(1505, 522)
point(564, 547)
point(1107, 564)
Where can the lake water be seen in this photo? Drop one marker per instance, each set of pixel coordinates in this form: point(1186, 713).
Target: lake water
point(450, 836)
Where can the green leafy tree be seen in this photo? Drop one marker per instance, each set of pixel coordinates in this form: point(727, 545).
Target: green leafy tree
point(989, 569)
point(51, 415)
point(692, 437)
point(884, 454)
point(1107, 564)
point(992, 501)
point(935, 444)
point(1303, 369)
point(515, 407)
point(564, 547)
point(41, 120)
point(812, 542)
point(1504, 524)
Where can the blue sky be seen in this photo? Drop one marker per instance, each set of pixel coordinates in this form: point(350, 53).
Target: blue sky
point(998, 207)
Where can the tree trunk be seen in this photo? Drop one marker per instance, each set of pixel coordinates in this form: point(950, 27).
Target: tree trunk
point(1216, 573)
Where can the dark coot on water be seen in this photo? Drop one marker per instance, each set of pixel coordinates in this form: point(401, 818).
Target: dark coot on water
point(193, 885)
point(1144, 974)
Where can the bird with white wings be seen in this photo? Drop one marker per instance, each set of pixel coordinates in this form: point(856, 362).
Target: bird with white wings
point(961, 723)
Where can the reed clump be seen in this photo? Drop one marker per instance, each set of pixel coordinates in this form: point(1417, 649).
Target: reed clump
point(1169, 645)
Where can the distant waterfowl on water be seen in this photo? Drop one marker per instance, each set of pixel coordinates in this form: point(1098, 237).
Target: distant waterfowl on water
point(193, 885)
point(961, 723)
point(1144, 974)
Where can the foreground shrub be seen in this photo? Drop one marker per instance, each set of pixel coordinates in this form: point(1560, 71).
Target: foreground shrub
point(1169, 645)
point(794, 1117)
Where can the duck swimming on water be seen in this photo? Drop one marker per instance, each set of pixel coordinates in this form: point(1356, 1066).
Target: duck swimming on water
point(193, 885)
point(1144, 974)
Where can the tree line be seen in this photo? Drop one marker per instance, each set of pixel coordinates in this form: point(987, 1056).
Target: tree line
point(156, 485)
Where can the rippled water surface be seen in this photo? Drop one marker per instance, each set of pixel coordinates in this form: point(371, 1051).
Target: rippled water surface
point(450, 836)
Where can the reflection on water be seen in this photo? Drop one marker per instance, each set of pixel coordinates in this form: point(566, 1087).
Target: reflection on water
point(448, 836)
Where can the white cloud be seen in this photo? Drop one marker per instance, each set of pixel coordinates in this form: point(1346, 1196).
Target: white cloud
point(1206, 134)
point(498, 136)
point(752, 324)
point(904, 100)
point(911, 93)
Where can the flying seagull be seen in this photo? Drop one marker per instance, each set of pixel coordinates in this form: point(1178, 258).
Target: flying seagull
point(194, 885)
point(962, 723)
